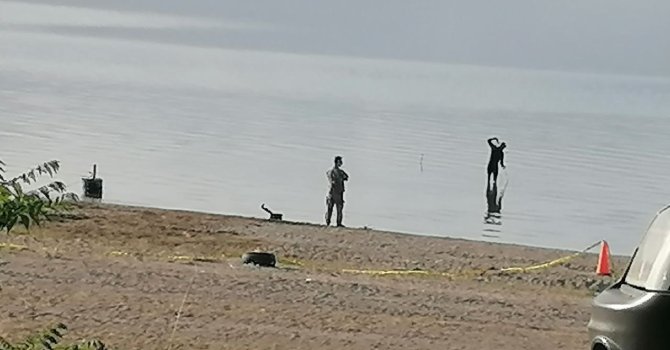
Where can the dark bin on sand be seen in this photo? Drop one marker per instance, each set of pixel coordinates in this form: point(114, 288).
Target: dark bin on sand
point(93, 185)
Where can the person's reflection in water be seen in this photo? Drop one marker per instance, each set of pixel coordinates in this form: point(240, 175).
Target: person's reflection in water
point(494, 204)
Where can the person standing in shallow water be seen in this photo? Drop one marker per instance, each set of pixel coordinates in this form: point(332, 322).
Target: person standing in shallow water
point(335, 198)
point(497, 156)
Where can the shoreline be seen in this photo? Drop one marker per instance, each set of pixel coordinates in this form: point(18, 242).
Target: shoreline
point(364, 228)
point(119, 261)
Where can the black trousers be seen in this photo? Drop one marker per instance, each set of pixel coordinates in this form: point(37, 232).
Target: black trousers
point(492, 170)
point(334, 200)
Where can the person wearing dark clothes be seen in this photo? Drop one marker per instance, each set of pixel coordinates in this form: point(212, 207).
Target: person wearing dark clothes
point(335, 198)
point(497, 156)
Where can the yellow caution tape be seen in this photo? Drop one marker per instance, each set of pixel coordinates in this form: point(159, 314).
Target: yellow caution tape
point(450, 275)
point(12, 246)
point(187, 258)
point(473, 273)
point(118, 253)
point(209, 259)
point(415, 272)
point(546, 265)
point(172, 258)
point(293, 262)
point(552, 263)
point(389, 272)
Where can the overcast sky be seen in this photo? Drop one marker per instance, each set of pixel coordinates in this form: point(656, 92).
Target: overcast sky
point(629, 37)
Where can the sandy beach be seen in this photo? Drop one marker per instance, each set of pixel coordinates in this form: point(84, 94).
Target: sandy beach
point(120, 274)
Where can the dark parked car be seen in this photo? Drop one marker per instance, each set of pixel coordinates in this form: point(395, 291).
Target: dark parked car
point(634, 313)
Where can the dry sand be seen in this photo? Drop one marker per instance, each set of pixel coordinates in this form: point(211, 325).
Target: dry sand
point(106, 272)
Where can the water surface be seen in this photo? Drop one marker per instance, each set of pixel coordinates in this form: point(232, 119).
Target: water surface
point(177, 117)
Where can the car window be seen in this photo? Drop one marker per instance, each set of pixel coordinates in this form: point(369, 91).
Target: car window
point(651, 265)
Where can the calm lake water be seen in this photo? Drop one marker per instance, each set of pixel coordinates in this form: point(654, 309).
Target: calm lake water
point(177, 118)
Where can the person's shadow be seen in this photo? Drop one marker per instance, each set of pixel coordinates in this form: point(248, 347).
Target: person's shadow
point(494, 205)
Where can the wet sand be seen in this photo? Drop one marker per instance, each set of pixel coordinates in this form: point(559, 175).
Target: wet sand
point(112, 272)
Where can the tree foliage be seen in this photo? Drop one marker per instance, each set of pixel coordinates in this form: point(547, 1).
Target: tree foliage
point(20, 206)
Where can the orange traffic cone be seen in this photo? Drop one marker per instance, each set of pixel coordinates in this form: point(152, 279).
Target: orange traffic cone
point(603, 268)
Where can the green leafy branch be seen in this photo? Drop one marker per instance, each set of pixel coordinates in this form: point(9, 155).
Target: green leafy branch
point(50, 339)
point(18, 206)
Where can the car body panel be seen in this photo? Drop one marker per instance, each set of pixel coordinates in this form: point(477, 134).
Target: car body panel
point(627, 318)
point(630, 317)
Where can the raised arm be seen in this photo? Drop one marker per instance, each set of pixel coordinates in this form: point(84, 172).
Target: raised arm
point(490, 142)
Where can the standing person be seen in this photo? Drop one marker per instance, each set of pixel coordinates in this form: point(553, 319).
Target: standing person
point(497, 156)
point(336, 177)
